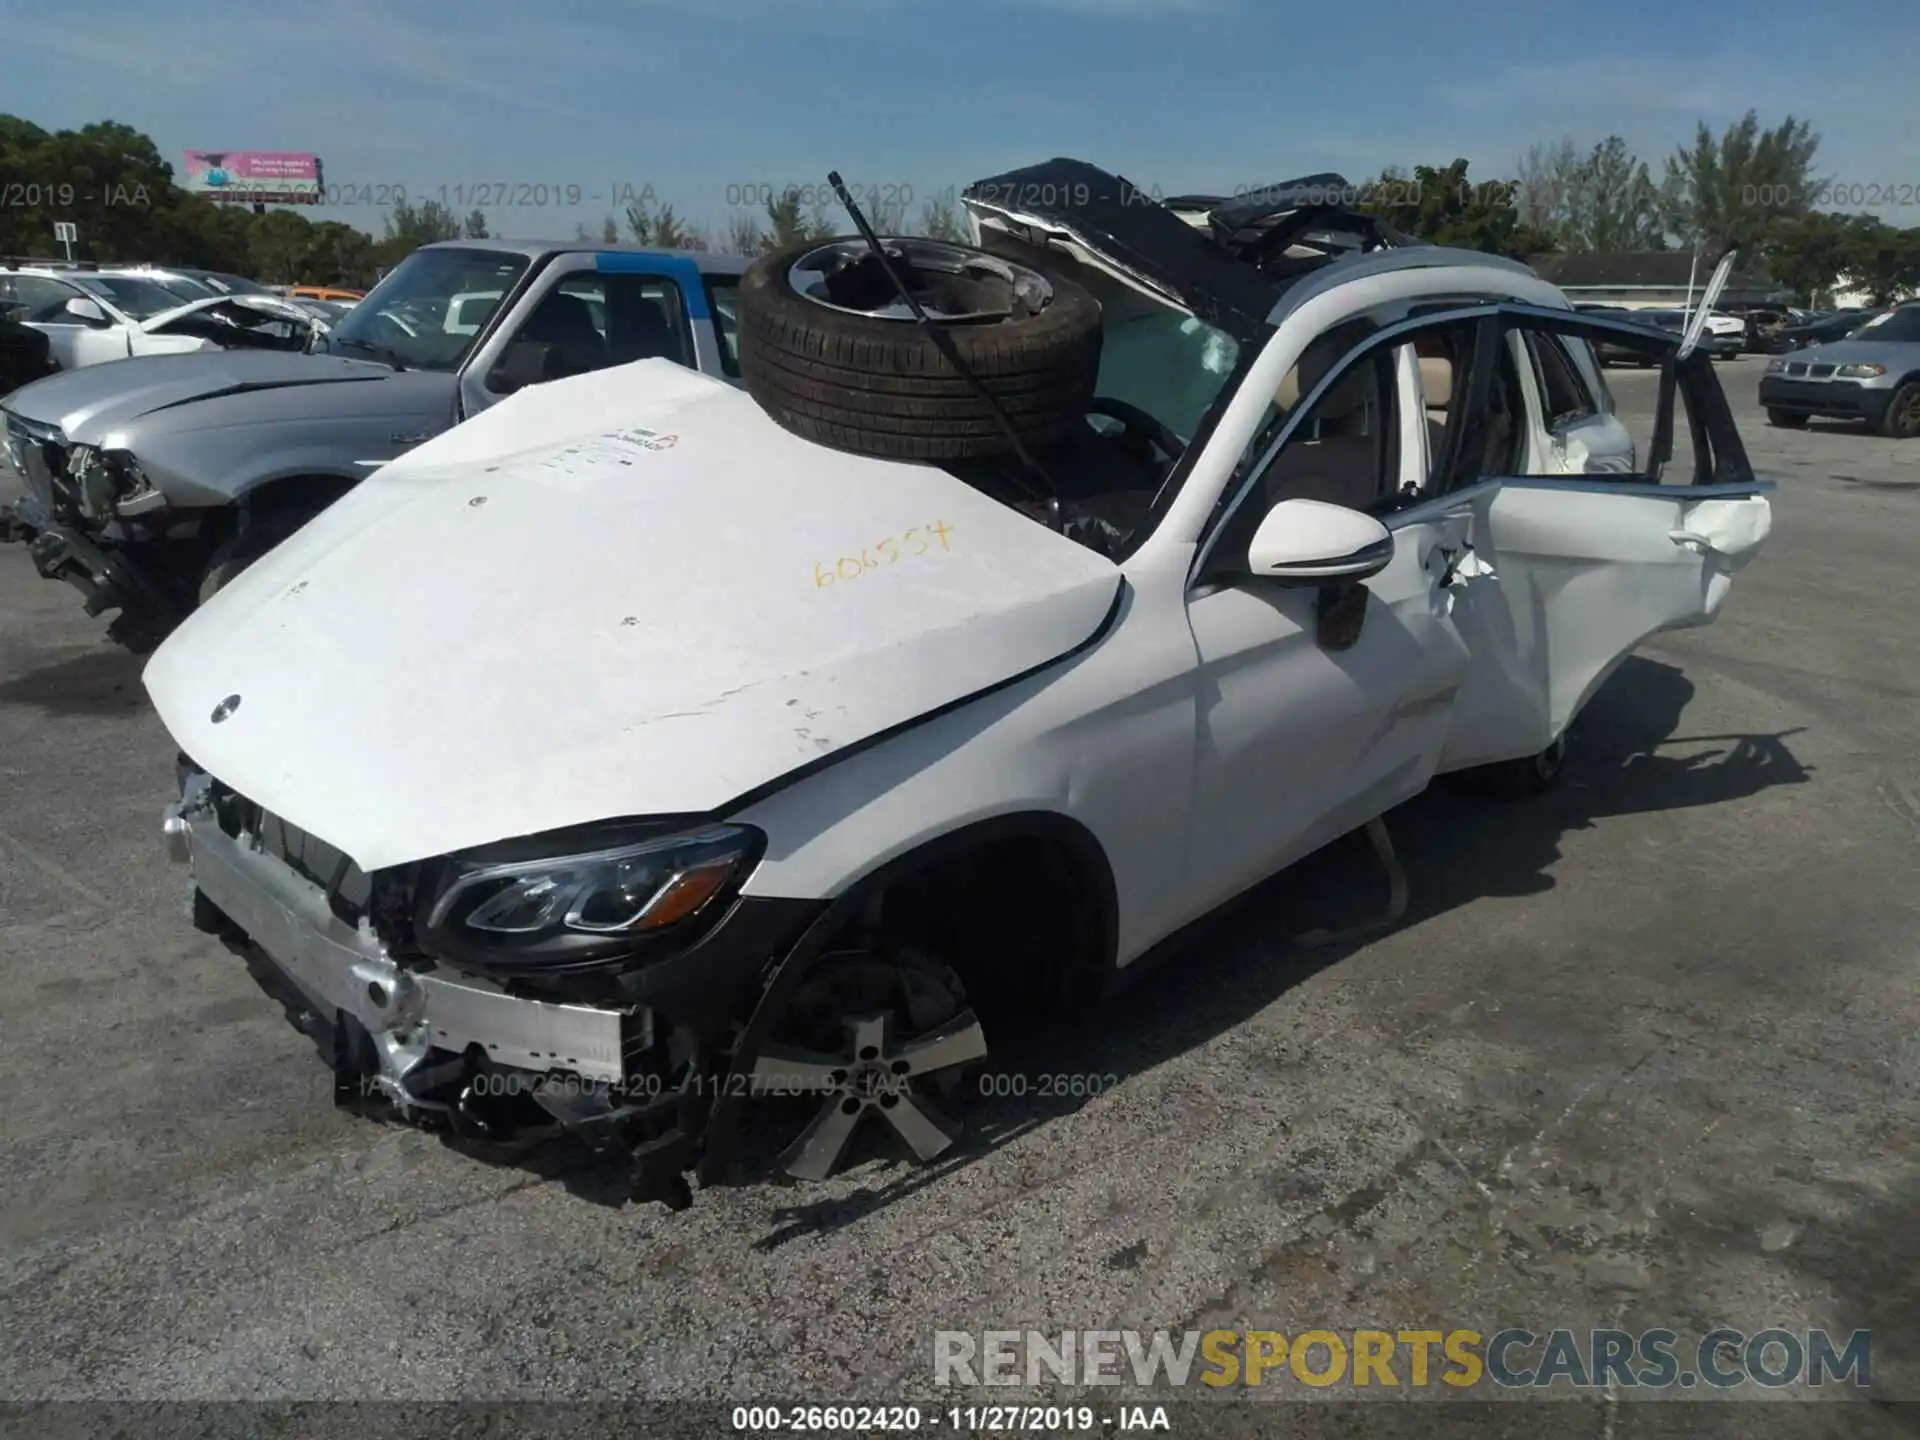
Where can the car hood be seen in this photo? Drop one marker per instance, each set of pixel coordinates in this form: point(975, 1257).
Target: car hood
point(1894, 354)
point(1142, 240)
point(88, 402)
point(626, 593)
point(266, 304)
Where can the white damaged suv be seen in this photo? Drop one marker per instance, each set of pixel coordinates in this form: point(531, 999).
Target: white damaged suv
point(622, 761)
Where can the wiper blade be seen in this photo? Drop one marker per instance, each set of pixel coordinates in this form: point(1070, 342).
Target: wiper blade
point(381, 352)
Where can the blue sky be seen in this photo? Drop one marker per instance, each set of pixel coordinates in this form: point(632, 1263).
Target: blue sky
point(702, 98)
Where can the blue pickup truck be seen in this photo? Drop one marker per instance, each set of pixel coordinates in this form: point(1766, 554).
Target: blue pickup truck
point(149, 483)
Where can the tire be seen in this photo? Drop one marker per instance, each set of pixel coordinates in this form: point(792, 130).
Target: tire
point(920, 997)
point(1902, 420)
point(874, 385)
point(1786, 419)
point(1526, 777)
point(237, 553)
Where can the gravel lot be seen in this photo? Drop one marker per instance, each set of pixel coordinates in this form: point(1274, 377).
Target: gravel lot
point(1646, 1052)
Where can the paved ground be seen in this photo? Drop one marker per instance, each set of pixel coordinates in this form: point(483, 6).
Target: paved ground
point(1646, 1053)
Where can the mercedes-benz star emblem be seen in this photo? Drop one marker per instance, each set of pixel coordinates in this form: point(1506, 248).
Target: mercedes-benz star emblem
point(225, 708)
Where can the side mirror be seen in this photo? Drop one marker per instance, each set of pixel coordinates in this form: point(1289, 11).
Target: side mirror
point(1309, 542)
point(524, 363)
point(87, 312)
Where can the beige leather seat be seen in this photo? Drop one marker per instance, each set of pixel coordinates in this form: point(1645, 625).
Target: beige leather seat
point(1436, 387)
point(1341, 464)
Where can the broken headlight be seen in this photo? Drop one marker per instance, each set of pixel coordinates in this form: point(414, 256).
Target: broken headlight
point(104, 479)
point(585, 904)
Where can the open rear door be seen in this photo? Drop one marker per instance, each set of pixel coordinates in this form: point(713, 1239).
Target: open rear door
point(1568, 572)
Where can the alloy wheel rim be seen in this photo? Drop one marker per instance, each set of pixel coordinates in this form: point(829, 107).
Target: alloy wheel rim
point(875, 1074)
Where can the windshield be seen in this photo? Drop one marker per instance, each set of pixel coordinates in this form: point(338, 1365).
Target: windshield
point(1169, 364)
point(186, 287)
point(142, 299)
point(406, 318)
point(232, 284)
point(1903, 324)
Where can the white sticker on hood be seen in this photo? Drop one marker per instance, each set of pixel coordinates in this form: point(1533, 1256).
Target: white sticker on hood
point(569, 467)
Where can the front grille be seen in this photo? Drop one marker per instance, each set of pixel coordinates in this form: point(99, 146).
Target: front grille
point(329, 868)
point(40, 451)
point(348, 888)
point(1820, 372)
point(1797, 367)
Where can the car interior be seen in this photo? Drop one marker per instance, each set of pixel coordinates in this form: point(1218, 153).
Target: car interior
point(614, 321)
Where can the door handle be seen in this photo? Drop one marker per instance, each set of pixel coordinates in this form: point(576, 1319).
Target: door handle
point(399, 439)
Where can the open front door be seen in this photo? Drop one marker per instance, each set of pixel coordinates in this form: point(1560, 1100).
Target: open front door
point(1591, 526)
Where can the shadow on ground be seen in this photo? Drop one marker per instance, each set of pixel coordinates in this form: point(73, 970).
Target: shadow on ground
point(94, 681)
point(1456, 846)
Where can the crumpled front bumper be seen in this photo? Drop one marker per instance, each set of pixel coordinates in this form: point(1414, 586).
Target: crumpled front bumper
point(106, 580)
point(442, 1045)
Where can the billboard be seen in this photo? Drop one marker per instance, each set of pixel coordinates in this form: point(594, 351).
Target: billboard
point(255, 177)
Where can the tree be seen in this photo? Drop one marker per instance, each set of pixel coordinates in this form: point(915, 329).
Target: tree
point(1601, 201)
point(279, 243)
point(475, 227)
point(1542, 180)
point(745, 234)
point(1731, 188)
point(609, 232)
point(1807, 253)
point(105, 178)
point(338, 254)
point(790, 223)
point(1881, 260)
point(410, 226)
point(887, 217)
point(942, 221)
point(1444, 208)
point(664, 229)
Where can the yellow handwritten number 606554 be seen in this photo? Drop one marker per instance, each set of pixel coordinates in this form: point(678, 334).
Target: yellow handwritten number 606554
point(883, 553)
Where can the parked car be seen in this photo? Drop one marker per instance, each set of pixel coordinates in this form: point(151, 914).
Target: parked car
point(1722, 338)
point(1820, 329)
point(321, 292)
point(643, 756)
point(1872, 376)
point(1764, 326)
point(206, 283)
point(150, 485)
point(240, 322)
point(26, 355)
point(115, 318)
point(91, 315)
point(1611, 354)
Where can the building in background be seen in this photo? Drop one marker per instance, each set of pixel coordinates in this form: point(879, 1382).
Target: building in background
point(1654, 280)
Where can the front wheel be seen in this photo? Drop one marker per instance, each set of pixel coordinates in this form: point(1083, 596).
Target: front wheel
point(260, 535)
point(868, 1036)
point(1902, 420)
point(1786, 419)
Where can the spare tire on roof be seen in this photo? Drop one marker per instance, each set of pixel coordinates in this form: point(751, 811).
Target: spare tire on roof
point(831, 353)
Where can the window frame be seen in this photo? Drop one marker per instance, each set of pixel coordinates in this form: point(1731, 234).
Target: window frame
point(725, 320)
point(74, 292)
point(1542, 345)
point(679, 319)
point(1720, 456)
point(1207, 568)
